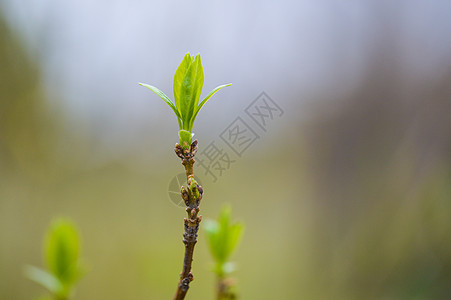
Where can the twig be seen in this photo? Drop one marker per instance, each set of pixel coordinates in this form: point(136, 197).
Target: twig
point(192, 195)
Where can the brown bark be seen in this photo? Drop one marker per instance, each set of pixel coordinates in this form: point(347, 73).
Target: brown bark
point(192, 195)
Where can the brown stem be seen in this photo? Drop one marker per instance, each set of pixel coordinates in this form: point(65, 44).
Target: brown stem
point(192, 196)
point(224, 290)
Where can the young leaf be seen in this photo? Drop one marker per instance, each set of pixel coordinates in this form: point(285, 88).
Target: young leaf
point(61, 252)
point(235, 234)
point(188, 88)
point(47, 280)
point(188, 83)
point(165, 99)
point(62, 246)
point(223, 236)
point(179, 78)
point(185, 138)
point(198, 82)
point(211, 228)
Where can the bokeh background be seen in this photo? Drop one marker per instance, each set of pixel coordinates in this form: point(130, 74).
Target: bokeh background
point(346, 196)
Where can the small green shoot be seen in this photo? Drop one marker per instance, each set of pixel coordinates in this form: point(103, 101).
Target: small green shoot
point(223, 238)
point(62, 257)
point(188, 83)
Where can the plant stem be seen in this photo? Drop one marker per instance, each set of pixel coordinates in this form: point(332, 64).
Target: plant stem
point(192, 196)
point(224, 291)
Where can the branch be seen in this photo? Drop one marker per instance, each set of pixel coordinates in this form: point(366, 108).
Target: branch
point(192, 195)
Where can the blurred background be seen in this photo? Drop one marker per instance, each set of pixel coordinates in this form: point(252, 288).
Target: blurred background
point(347, 195)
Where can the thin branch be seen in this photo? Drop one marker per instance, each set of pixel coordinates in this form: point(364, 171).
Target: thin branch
point(192, 195)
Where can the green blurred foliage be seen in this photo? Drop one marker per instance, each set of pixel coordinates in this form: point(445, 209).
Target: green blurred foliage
point(62, 253)
point(223, 236)
point(62, 250)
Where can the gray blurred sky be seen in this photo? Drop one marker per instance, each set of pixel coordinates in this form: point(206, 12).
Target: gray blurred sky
point(93, 53)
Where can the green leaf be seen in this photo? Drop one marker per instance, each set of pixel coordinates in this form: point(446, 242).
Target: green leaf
point(198, 82)
point(211, 228)
point(47, 280)
point(235, 234)
point(165, 99)
point(205, 100)
point(186, 138)
point(188, 83)
point(179, 77)
point(223, 236)
point(62, 247)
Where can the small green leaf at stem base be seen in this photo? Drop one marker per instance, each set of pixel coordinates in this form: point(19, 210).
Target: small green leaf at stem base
point(186, 138)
